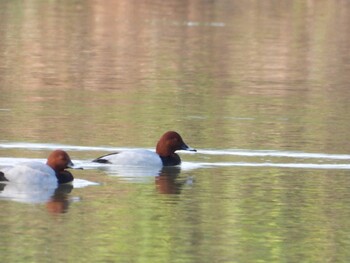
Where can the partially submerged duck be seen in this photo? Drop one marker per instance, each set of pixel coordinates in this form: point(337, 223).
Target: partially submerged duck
point(164, 155)
point(50, 174)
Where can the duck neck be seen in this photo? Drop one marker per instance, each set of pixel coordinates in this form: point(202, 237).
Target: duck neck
point(54, 167)
point(163, 151)
point(171, 160)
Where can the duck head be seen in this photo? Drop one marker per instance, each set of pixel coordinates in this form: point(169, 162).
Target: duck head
point(170, 142)
point(59, 160)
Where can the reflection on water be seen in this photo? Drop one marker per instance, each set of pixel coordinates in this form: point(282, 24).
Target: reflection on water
point(26, 193)
point(59, 202)
point(170, 182)
point(261, 88)
point(258, 210)
point(57, 199)
point(132, 173)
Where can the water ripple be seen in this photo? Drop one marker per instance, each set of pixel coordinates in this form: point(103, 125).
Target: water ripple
point(8, 161)
point(233, 152)
point(192, 166)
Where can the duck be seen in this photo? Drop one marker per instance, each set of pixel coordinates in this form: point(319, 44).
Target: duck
point(164, 155)
point(52, 173)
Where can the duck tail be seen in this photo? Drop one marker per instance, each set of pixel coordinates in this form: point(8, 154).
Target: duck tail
point(98, 160)
point(2, 177)
point(101, 160)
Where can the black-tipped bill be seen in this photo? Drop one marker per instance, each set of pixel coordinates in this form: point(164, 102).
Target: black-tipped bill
point(187, 148)
point(71, 165)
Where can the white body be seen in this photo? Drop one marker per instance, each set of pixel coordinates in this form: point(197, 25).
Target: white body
point(32, 173)
point(137, 157)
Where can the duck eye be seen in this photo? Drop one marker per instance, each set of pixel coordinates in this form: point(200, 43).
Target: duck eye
point(63, 158)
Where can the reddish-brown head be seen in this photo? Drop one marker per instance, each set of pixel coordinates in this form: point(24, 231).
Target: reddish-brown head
point(59, 160)
point(170, 142)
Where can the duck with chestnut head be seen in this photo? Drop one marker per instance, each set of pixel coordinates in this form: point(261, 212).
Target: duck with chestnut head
point(52, 173)
point(165, 155)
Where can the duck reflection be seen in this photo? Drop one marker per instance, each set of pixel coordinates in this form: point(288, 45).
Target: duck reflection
point(23, 193)
point(59, 201)
point(168, 181)
point(136, 174)
point(56, 199)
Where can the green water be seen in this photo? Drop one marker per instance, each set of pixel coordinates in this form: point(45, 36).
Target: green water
point(259, 88)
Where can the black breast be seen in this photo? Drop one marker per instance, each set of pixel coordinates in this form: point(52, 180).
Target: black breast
point(171, 160)
point(64, 177)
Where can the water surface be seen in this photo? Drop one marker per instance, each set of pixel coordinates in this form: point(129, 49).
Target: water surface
point(259, 88)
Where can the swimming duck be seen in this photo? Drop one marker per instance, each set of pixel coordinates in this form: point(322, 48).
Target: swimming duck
point(165, 154)
point(51, 173)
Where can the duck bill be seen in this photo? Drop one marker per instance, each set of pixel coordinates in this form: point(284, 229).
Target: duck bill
point(70, 165)
point(187, 148)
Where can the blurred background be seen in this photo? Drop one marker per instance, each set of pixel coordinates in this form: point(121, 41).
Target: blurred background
point(260, 88)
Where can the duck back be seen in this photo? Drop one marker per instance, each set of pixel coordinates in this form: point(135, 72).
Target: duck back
point(137, 157)
point(31, 173)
